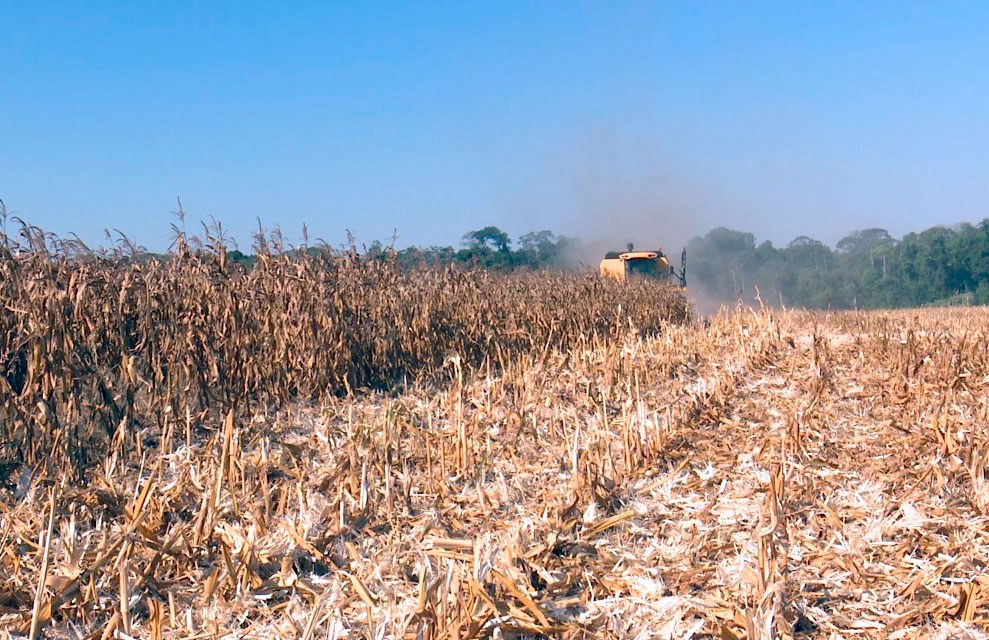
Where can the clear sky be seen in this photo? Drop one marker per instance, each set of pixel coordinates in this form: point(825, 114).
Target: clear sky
point(663, 118)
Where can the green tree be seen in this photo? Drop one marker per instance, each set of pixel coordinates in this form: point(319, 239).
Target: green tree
point(489, 237)
point(864, 240)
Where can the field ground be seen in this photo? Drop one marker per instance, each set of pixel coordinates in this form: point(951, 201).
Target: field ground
point(761, 475)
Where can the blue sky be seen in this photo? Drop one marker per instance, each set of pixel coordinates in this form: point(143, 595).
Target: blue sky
point(647, 121)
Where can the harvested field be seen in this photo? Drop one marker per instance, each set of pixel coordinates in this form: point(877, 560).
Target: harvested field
point(762, 475)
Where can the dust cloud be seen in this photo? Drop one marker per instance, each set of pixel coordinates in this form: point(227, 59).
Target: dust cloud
point(623, 190)
point(613, 189)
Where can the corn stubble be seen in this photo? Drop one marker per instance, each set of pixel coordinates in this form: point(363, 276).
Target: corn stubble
point(761, 475)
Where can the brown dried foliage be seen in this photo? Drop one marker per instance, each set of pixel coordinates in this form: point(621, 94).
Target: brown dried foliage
point(761, 475)
point(103, 352)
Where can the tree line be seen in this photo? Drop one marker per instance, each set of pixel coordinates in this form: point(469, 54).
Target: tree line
point(866, 269)
point(486, 248)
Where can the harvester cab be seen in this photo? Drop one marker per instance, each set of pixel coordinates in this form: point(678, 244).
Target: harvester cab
point(649, 264)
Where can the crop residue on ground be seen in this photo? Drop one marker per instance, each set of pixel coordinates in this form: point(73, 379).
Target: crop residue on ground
point(767, 475)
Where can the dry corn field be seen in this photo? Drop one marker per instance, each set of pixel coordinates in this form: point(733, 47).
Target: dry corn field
point(103, 354)
point(556, 468)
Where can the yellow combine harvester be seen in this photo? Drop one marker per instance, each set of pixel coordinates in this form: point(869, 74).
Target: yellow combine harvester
point(648, 264)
